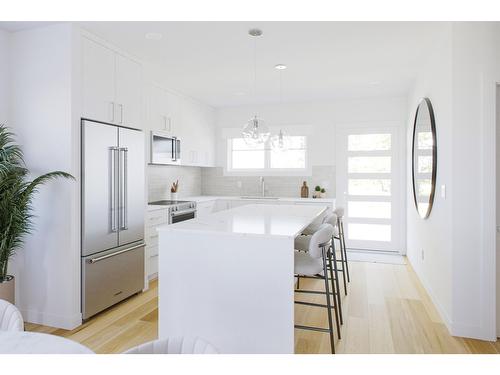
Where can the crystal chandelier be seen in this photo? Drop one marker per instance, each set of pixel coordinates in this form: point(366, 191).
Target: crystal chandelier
point(255, 130)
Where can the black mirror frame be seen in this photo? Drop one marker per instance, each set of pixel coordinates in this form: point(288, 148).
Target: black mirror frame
point(434, 157)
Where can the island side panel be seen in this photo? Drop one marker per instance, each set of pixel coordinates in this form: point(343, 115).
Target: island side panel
point(235, 291)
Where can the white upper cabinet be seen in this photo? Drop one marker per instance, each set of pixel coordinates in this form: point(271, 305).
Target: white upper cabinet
point(190, 121)
point(128, 91)
point(98, 81)
point(111, 86)
point(164, 110)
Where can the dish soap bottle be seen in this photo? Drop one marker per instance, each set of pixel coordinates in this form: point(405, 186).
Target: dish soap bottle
point(304, 190)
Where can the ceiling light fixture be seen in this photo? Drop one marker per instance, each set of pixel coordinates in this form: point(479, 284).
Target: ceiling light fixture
point(280, 67)
point(255, 130)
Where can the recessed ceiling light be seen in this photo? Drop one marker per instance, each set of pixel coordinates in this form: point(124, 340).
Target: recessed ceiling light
point(280, 66)
point(153, 36)
point(255, 32)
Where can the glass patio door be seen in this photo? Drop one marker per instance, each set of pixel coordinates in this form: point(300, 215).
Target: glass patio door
point(369, 186)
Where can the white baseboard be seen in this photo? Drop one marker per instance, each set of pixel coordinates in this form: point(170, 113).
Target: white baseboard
point(443, 314)
point(473, 332)
point(52, 320)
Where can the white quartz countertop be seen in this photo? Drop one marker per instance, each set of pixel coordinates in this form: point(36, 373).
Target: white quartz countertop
point(206, 198)
point(253, 219)
point(209, 198)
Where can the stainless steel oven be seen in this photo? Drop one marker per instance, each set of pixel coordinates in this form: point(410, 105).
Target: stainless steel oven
point(178, 214)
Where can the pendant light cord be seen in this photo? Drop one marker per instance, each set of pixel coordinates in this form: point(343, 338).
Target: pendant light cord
point(255, 68)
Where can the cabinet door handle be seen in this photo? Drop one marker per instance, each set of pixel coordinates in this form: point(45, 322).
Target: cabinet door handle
point(121, 113)
point(111, 112)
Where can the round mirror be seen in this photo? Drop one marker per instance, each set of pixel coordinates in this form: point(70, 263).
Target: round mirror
point(424, 154)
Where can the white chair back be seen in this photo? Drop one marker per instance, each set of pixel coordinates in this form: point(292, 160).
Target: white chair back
point(339, 211)
point(174, 345)
point(331, 219)
point(10, 317)
point(321, 236)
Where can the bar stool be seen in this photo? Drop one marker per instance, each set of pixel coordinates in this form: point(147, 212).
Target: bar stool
point(339, 211)
point(302, 244)
point(311, 264)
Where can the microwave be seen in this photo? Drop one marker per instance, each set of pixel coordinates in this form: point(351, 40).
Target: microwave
point(165, 149)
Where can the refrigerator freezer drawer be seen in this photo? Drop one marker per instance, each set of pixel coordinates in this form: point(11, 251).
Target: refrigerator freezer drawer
point(110, 277)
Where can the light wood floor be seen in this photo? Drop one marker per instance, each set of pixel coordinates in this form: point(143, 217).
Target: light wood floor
point(386, 311)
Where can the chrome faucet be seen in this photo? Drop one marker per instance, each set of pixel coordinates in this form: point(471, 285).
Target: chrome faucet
point(262, 186)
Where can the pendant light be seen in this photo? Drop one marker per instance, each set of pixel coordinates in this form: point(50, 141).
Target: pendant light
point(255, 130)
point(279, 142)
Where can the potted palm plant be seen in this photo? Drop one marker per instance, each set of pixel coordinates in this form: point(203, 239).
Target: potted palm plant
point(16, 195)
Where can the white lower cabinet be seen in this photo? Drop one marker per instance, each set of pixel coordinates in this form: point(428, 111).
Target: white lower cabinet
point(154, 219)
point(205, 208)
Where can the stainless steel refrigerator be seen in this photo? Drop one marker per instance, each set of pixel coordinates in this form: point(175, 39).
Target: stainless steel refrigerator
point(113, 205)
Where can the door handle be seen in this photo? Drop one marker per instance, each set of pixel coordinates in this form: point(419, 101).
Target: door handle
point(123, 188)
point(98, 259)
point(112, 188)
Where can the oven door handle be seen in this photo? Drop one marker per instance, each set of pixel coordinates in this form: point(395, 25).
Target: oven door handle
point(179, 213)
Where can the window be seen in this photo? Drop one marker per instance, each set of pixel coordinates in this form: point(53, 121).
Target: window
point(244, 157)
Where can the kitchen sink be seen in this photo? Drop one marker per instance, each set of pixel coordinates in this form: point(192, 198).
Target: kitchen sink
point(260, 198)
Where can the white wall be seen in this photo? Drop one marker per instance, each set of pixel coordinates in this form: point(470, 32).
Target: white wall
point(433, 236)
point(498, 206)
point(47, 268)
point(320, 116)
point(4, 76)
point(476, 69)
point(458, 270)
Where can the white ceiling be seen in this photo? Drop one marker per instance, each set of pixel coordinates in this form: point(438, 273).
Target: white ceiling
point(213, 61)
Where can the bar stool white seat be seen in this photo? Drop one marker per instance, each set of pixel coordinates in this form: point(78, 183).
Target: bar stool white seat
point(307, 265)
point(302, 244)
point(10, 317)
point(174, 345)
point(314, 226)
point(310, 264)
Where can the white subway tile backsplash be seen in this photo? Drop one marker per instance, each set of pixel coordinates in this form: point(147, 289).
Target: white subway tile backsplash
point(195, 181)
point(161, 177)
point(215, 183)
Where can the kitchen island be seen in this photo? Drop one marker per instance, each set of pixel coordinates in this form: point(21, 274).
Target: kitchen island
point(228, 277)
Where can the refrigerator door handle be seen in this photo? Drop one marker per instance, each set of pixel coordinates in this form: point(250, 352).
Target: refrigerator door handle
point(98, 259)
point(123, 188)
point(112, 188)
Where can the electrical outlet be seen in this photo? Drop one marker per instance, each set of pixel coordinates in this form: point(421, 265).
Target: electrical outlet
point(422, 254)
point(239, 184)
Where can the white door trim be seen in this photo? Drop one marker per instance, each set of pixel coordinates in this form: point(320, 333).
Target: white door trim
point(398, 130)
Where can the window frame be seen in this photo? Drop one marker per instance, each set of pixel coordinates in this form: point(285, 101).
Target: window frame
point(267, 170)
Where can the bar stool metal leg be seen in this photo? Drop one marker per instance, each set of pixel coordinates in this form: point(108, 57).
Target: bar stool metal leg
point(335, 294)
point(335, 278)
point(342, 237)
point(329, 308)
point(342, 261)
